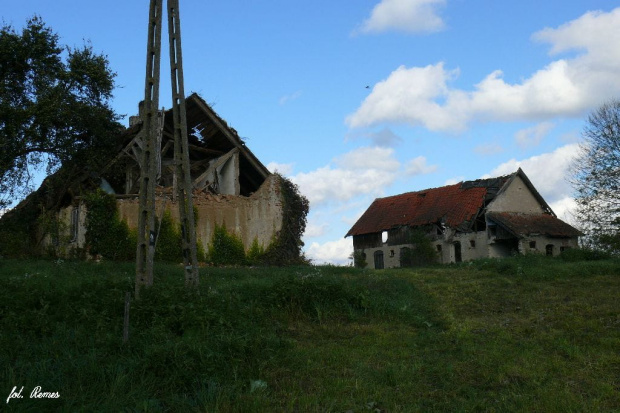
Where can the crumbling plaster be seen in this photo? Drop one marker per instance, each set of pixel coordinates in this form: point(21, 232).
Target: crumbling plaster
point(479, 249)
point(257, 216)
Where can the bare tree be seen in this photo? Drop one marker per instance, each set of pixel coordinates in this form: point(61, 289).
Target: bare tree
point(595, 175)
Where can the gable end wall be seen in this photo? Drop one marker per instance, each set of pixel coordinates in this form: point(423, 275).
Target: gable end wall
point(517, 197)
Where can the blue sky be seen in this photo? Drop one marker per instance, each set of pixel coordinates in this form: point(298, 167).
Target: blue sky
point(354, 100)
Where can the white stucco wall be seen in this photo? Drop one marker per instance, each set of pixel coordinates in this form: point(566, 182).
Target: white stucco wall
point(517, 197)
point(541, 242)
point(479, 249)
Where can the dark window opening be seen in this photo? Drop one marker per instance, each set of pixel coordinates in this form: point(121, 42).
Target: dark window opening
point(438, 248)
point(391, 253)
point(472, 243)
point(532, 244)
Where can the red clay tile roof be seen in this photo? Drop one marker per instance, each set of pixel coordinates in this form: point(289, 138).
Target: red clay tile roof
point(527, 224)
point(452, 205)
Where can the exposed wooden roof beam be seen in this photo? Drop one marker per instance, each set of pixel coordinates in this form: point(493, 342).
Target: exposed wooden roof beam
point(206, 150)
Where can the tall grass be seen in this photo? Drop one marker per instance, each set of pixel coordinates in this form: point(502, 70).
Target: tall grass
point(523, 334)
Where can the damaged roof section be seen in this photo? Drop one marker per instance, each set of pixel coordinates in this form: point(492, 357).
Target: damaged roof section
point(220, 161)
point(455, 206)
point(523, 225)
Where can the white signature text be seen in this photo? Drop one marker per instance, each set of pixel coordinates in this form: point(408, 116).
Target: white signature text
point(36, 393)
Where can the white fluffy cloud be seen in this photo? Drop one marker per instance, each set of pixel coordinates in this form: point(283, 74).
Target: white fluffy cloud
point(413, 16)
point(529, 137)
point(283, 168)
point(314, 230)
point(565, 87)
point(408, 95)
point(418, 166)
point(365, 170)
point(334, 252)
point(548, 172)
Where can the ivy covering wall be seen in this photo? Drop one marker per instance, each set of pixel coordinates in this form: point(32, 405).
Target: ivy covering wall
point(286, 248)
point(106, 234)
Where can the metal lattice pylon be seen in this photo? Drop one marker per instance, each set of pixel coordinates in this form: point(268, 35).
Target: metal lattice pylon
point(150, 142)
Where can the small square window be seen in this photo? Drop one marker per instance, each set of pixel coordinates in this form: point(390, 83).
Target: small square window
point(438, 248)
point(532, 244)
point(391, 253)
point(472, 243)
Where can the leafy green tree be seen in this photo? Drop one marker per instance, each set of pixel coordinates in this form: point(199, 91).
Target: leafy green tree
point(596, 178)
point(54, 106)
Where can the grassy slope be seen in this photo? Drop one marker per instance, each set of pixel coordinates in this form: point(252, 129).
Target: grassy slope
point(524, 334)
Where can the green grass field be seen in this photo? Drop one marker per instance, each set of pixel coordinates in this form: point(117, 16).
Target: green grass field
point(527, 334)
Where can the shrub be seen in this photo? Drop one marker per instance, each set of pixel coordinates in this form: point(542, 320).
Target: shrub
point(359, 259)
point(584, 254)
point(168, 246)
point(225, 248)
point(255, 252)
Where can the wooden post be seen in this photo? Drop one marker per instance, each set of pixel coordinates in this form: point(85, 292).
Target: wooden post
point(126, 319)
point(181, 148)
point(150, 153)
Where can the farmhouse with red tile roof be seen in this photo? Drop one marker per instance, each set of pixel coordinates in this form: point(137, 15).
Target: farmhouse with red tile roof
point(493, 217)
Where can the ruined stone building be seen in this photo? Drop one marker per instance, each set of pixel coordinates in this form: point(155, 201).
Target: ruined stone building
point(493, 217)
point(231, 186)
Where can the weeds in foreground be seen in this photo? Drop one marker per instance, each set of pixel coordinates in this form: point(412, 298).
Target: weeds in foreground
point(523, 334)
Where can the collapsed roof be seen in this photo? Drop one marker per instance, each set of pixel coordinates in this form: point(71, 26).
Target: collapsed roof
point(210, 140)
point(212, 144)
